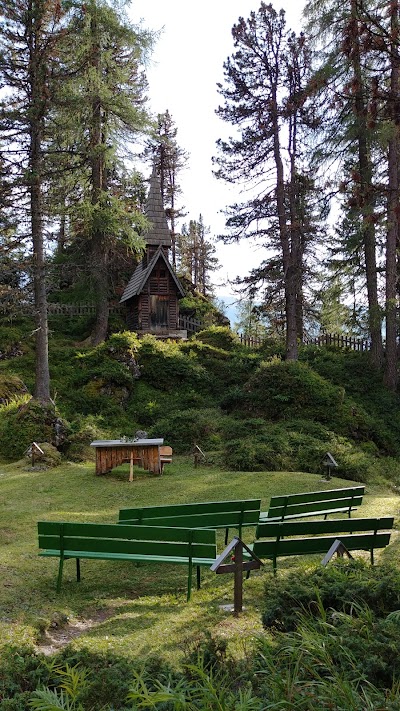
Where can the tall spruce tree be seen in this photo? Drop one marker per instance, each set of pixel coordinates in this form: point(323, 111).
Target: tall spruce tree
point(29, 35)
point(346, 75)
point(105, 96)
point(266, 101)
point(197, 255)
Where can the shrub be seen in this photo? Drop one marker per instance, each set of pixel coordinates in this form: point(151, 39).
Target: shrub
point(22, 423)
point(185, 428)
point(166, 367)
point(220, 337)
point(286, 390)
point(341, 586)
point(11, 387)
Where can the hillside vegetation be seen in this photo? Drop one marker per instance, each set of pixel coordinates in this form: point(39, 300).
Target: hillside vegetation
point(249, 410)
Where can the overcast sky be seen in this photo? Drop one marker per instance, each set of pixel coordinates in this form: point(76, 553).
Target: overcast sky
point(187, 62)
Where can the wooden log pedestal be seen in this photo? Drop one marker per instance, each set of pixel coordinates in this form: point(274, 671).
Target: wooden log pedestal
point(112, 453)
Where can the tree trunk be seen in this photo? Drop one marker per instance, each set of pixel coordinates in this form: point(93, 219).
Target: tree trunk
point(98, 252)
point(288, 270)
point(37, 88)
point(367, 201)
point(393, 208)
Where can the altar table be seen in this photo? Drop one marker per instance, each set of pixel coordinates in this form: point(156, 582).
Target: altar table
point(144, 452)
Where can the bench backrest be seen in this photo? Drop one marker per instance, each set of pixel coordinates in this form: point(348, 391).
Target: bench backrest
point(290, 504)
point(208, 514)
point(281, 529)
point(165, 451)
point(343, 529)
point(114, 538)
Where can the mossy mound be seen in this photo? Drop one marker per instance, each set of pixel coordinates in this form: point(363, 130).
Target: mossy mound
point(11, 387)
point(48, 457)
point(27, 422)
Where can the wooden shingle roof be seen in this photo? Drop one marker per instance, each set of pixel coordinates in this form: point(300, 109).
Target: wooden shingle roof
point(159, 231)
point(142, 274)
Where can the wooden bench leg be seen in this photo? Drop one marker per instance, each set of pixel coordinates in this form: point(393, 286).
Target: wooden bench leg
point(78, 570)
point(198, 578)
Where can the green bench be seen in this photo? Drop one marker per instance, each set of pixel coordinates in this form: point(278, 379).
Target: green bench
point(150, 544)
point(206, 514)
point(287, 538)
point(314, 503)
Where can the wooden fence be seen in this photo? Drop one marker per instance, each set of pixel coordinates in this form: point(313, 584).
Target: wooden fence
point(334, 339)
point(325, 339)
point(186, 323)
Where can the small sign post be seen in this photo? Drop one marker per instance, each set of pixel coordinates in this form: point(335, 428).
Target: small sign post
point(237, 566)
point(35, 451)
point(329, 463)
point(198, 455)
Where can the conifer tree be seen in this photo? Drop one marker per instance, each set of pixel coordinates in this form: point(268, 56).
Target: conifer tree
point(347, 74)
point(197, 258)
point(29, 34)
point(266, 100)
point(105, 96)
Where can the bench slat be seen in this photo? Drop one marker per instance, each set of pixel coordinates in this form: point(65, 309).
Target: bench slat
point(116, 545)
point(134, 557)
point(298, 528)
point(320, 544)
point(308, 496)
point(110, 530)
point(203, 507)
point(221, 519)
point(343, 503)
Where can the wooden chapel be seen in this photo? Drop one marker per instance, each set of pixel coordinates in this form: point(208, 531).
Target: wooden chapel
point(153, 292)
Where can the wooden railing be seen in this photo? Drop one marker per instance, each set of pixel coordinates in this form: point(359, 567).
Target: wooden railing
point(79, 309)
point(325, 339)
point(250, 341)
point(189, 324)
point(334, 339)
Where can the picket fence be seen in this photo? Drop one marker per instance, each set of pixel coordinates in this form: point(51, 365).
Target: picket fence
point(325, 339)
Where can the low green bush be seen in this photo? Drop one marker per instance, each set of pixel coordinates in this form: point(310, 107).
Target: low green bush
point(25, 421)
point(340, 586)
point(166, 367)
point(11, 387)
point(282, 390)
point(183, 429)
point(219, 336)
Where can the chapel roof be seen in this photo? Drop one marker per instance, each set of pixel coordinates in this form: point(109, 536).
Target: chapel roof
point(159, 231)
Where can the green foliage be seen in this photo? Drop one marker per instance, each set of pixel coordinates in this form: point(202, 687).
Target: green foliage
point(218, 336)
point(13, 336)
point(11, 387)
point(288, 389)
point(22, 423)
point(21, 671)
point(340, 586)
point(328, 663)
point(165, 366)
point(189, 427)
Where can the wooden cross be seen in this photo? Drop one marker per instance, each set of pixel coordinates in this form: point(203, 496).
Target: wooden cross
point(238, 566)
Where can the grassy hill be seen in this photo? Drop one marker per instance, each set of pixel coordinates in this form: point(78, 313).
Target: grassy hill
point(124, 638)
point(249, 409)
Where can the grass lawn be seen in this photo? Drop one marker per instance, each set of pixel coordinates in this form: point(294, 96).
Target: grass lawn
point(134, 610)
